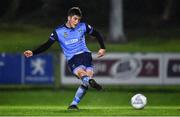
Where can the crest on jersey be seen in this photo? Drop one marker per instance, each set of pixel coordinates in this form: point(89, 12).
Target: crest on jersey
point(80, 30)
point(65, 34)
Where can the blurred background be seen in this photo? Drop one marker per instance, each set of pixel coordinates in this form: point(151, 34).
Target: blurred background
point(129, 26)
point(142, 42)
point(136, 13)
point(120, 21)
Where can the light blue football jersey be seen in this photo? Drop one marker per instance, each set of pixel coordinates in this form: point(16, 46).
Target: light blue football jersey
point(72, 40)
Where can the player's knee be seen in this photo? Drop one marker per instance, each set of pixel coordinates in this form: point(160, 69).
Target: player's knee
point(81, 73)
point(90, 74)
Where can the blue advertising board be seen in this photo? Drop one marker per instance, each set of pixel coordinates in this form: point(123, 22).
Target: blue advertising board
point(16, 69)
point(10, 68)
point(39, 70)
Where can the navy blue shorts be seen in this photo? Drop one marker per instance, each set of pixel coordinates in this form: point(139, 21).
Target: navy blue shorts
point(83, 60)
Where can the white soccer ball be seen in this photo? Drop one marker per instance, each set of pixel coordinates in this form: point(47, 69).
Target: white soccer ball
point(138, 101)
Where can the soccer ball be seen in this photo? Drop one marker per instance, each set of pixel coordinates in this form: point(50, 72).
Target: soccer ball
point(138, 101)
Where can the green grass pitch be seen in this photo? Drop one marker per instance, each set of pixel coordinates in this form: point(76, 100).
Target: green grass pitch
point(41, 110)
point(104, 103)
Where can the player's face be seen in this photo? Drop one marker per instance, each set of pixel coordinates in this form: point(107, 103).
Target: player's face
point(73, 20)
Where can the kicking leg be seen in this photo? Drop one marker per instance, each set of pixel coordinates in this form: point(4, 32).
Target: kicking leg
point(92, 82)
point(86, 77)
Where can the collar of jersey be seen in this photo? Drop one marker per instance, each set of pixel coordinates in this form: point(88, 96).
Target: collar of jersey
point(68, 27)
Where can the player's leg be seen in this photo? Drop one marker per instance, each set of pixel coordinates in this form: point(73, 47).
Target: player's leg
point(78, 69)
point(92, 82)
point(89, 72)
point(86, 76)
point(78, 66)
point(82, 74)
point(81, 91)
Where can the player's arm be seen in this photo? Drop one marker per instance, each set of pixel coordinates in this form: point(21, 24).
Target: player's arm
point(42, 48)
point(100, 39)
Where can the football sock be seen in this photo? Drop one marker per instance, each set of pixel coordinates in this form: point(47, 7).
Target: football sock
point(85, 80)
point(81, 91)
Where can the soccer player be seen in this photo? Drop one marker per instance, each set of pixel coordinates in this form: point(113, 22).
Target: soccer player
point(71, 38)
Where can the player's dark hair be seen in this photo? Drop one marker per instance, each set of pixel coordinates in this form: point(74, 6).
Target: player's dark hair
point(74, 11)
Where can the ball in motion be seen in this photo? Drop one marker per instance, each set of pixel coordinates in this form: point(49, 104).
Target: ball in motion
point(138, 101)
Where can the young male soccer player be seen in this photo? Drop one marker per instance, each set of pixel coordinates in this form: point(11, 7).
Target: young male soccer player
point(71, 37)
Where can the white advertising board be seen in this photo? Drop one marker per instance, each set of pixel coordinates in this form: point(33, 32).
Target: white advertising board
point(172, 69)
point(121, 68)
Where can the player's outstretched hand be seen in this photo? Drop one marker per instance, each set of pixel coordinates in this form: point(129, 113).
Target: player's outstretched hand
point(28, 53)
point(101, 53)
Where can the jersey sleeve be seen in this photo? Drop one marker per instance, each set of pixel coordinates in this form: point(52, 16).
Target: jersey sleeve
point(53, 36)
point(89, 29)
point(93, 32)
point(43, 47)
point(46, 45)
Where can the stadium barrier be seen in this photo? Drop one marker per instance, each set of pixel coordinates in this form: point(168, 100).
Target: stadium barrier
point(16, 69)
point(126, 68)
point(114, 68)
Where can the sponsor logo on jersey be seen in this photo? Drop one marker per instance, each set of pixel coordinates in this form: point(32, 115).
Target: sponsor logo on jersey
point(71, 41)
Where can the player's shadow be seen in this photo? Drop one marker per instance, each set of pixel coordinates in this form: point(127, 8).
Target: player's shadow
point(69, 112)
